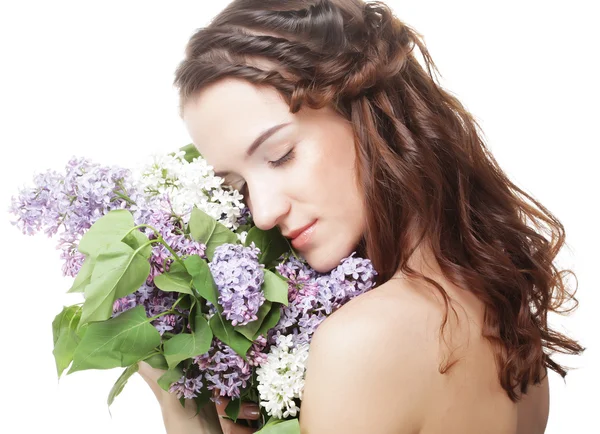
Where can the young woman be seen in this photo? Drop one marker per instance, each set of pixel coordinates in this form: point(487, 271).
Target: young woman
point(321, 115)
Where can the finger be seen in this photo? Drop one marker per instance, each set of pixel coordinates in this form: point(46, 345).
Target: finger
point(229, 427)
point(221, 403)
point(148, 372)
point(248, 410)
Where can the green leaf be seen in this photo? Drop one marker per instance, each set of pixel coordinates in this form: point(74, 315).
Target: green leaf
point(177, 279)
point(202, 399)
point(157, 361)
point(120, 341)
point(106, 230)
point(269, 322)
point(118, 272)
point(121, 382)
point(187, 345)
point(271, 243)
point(84, 275)
point(275, 288)
point(137, 239)
point(169, 377)
point(64, 333)
point(280, 426)
point(223, 330)
point(207, 230)
point(202, 278)
point(185, 303)
point(233, 408)
point(250, 329)
point(190, 152)
point(201, 225)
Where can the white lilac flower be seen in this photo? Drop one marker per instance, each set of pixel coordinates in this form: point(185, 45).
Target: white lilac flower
point(281, 377)
point(242, 236)
point(187, 185)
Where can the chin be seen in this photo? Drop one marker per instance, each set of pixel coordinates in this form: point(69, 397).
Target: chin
point(324, 260)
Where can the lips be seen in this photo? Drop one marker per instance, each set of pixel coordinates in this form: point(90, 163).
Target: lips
point(294, 234)
point(301, 237)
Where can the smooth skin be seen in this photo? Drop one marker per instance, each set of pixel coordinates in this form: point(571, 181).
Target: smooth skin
point(178, 419)
point(374, 363)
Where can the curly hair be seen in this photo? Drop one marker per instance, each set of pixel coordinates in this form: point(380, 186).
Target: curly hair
point(421, 160)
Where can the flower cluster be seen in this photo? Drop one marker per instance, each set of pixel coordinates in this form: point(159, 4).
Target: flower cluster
point(314, 296)
point(68, 204)
point(281, 357)
point(239, 277)
point(160, 197)
point(176, 186)
point(160, 194)
point(281, 377)
point(187, 387)
point(226, 371)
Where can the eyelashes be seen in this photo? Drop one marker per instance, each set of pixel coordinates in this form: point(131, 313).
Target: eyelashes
point(286, 158)
point(277, 163)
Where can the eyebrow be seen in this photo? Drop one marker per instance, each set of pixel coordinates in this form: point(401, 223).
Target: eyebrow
point(262, 137)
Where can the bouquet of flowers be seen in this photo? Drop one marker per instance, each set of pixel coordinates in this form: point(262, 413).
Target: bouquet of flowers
point(173, 272)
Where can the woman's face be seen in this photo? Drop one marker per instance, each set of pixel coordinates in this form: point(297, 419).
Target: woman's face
point(296, 171)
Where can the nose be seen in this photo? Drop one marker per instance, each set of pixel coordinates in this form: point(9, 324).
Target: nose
point(268, 205)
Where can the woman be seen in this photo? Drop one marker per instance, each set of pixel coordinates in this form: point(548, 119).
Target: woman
point(321, 115)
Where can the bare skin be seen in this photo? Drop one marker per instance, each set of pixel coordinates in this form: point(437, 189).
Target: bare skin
point(466, 399)
point(179, 420)
point(397, 323)
point(469, 398)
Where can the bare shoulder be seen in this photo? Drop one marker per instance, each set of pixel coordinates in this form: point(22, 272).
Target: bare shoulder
point(371, 363)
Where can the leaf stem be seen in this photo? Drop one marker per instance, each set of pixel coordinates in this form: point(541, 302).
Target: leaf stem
point(158, 238)
point(171, 311)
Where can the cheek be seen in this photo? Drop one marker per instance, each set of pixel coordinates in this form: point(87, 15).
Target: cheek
point(336, 174)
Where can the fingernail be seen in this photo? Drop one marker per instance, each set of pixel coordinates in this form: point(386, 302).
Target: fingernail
point(251, 411)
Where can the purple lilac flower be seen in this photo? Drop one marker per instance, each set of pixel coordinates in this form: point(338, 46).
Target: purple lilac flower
point(225, 370)
point(313, 296)
point(170, 228)
point(187, 387)
point(122, 304)
point(72, 201)
point(155, 303)
point(245, 217)
point(238, 276)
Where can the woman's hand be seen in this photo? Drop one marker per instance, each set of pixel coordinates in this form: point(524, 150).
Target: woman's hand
point(180, 420)
point(248, 410)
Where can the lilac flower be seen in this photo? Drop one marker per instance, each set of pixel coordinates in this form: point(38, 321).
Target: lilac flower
point(245, 217)
point(170, 226)
point(145, 292)
point(122, 304)
point(187, 387)
point(238, 276)
point(227, 371)
point(313, 296)
point(156, 302)
point(72, 201)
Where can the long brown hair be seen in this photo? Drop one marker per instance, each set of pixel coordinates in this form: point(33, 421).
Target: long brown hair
point(421, 160)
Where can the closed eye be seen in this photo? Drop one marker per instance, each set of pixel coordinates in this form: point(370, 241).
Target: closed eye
point(286, 158)
point(289, 156)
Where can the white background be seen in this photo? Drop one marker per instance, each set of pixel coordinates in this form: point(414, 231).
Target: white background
point(94, 79)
